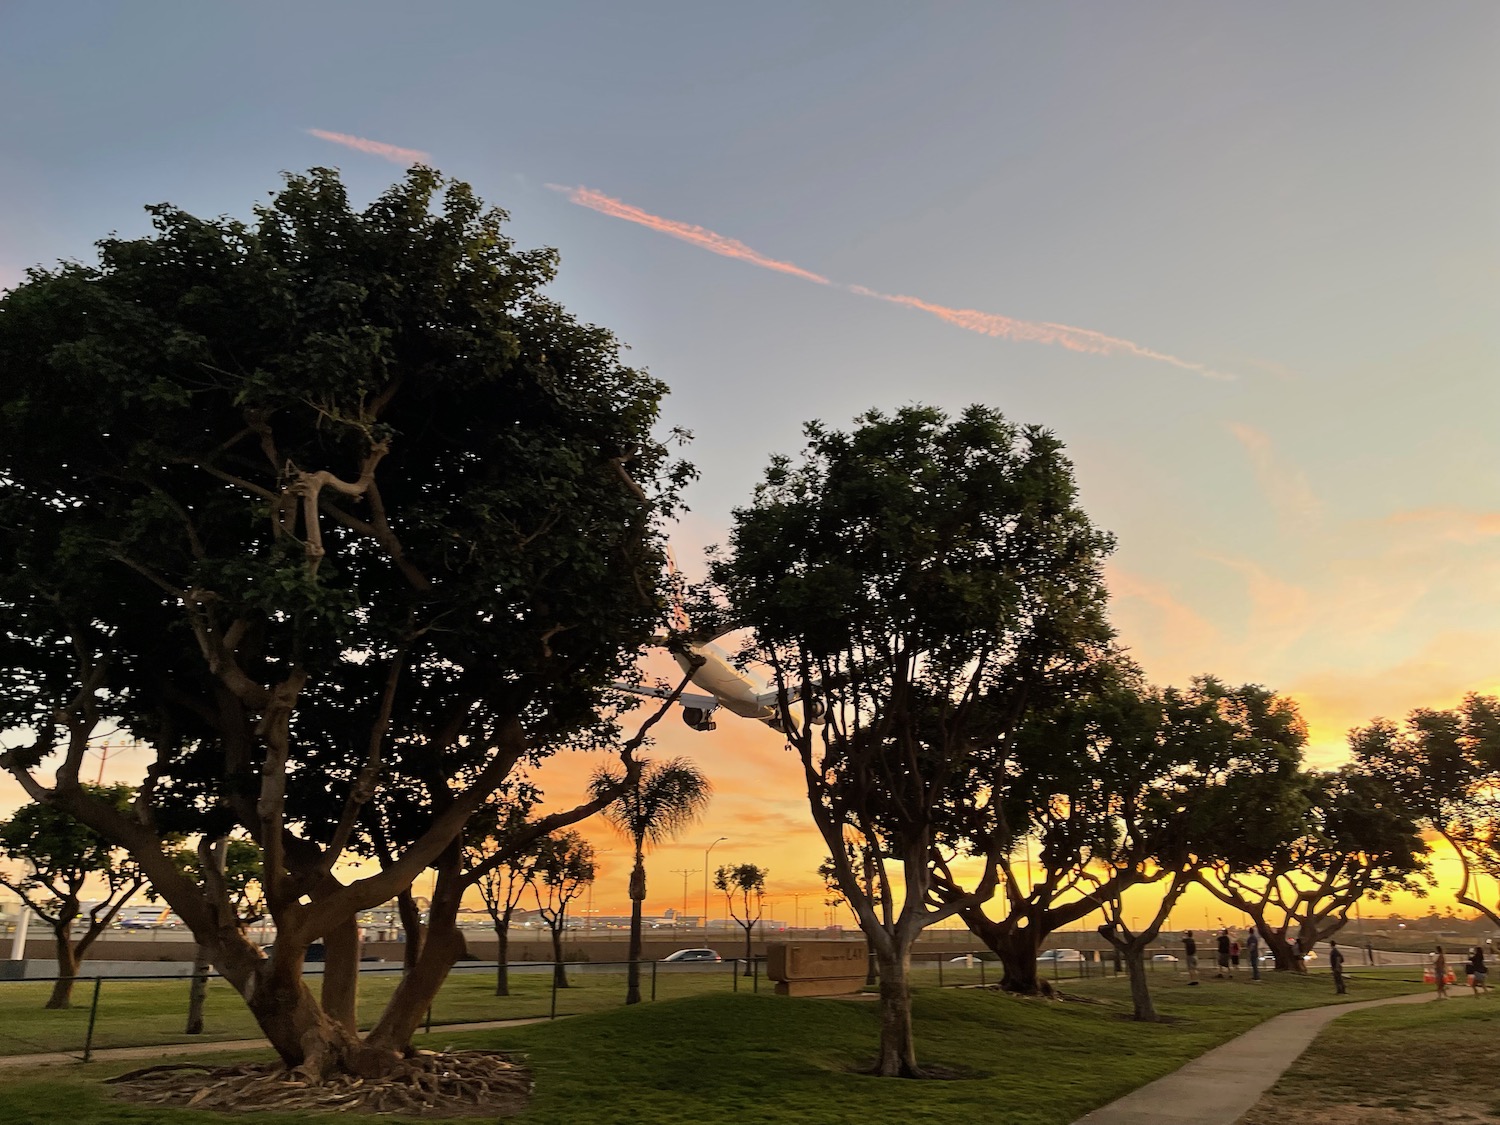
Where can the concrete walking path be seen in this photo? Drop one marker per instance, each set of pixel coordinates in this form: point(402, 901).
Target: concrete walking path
point(175, 1050)
point(1219, 1087)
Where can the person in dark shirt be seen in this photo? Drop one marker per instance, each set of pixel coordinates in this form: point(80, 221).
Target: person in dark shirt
point(1252, 950)
point(1336, 963)
point(1223, 954)
point(1190, 955)
point(1477, 971)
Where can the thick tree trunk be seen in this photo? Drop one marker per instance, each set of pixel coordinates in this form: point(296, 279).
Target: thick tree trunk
point(198, 993)
point(502, 960)
point(411, 925)
point(1140, 989)
point(1017, 951)
point(419, 987)
point(748, 946)
point(898, 1049)
point(637, 898)
point(1287, 960)
point(341, 973)
point(559, 974)
point(67, 968)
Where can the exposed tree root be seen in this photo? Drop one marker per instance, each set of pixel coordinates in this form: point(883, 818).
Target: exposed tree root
point(452, 1084)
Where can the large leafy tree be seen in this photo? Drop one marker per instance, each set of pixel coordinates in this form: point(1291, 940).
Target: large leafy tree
point(1164, 761)
point(562, 870)
point(60, 859)
point(743, 886)
point(1084, 779)
point(1445, 767)
point(928, 580)
point(1310, 847)
point(665, 798)
point(498, 869)
point(342, 515)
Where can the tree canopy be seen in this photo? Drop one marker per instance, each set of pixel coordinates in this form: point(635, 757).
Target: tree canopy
point(926, 581)
point(345, 518)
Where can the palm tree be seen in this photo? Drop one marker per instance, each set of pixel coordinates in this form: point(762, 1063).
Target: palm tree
point(667, 798)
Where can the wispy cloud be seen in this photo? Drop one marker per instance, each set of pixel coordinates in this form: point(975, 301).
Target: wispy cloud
point(986, 324)
point(394, 153)
point(699, 236)
point(1296, 504)
point(1040, 332)
point(1450, 523)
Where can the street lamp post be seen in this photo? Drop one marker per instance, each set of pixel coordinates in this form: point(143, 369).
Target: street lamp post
point(684, 872)
point(706, 850)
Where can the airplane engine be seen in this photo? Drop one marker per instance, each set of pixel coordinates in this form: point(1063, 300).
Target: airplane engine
point(698, 718)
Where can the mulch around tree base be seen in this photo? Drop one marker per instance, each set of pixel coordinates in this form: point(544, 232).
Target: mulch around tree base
point(452, 1084)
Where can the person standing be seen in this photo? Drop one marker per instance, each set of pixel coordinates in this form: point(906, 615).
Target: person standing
point(1223, 953)
point(1336, 963)
point(1477, 971)
point(1252, 948)
point(1190, 955)
point(1440, 972)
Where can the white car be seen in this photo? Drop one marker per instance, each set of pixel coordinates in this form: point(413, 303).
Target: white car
point(1051, 956)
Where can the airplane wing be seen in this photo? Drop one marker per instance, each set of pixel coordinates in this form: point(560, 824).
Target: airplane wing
point(687, 698)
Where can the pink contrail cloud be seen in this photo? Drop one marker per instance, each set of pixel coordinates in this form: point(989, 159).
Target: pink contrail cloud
point(1041, 332)
point(394, 153)
point(986, 324)
point(698, 236)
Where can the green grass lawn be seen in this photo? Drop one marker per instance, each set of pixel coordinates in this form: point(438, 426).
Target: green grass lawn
point(147, 1013)
point(759, 1059)
point(1425, 1065)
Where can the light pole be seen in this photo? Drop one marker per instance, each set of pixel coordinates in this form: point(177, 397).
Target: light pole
point(684, 872)
point(706, 850)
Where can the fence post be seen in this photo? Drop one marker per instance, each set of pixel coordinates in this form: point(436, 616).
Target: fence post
point(755, 975)
point(653, 980)
point(940, 969)
point(88, 1042)
point(981, 972)
point(736, 972)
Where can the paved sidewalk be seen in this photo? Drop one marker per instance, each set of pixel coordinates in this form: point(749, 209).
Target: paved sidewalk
point(178, 1050)
point(1218, 1088)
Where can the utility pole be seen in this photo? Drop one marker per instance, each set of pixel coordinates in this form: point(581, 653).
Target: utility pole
point(684, 872)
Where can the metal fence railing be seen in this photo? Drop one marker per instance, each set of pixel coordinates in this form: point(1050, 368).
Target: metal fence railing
point(147, 1010)
point(151, 1010)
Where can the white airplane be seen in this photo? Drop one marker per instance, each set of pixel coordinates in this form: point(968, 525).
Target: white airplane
point(712, 668)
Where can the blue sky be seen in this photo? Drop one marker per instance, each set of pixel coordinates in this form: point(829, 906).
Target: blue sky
point(1306, 197)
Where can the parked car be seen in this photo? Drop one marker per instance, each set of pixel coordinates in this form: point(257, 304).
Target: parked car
point(691, 955)
point(1049, 956)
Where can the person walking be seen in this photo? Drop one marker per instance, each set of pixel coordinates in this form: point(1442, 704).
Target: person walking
point(1223, 954)
point(1252, 948)
point(1477, 971)
point(1440, 972)
point(1190, 955)
point(1336, 963)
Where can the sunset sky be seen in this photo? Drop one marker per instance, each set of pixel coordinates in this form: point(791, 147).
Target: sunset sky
point(1243, 258)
